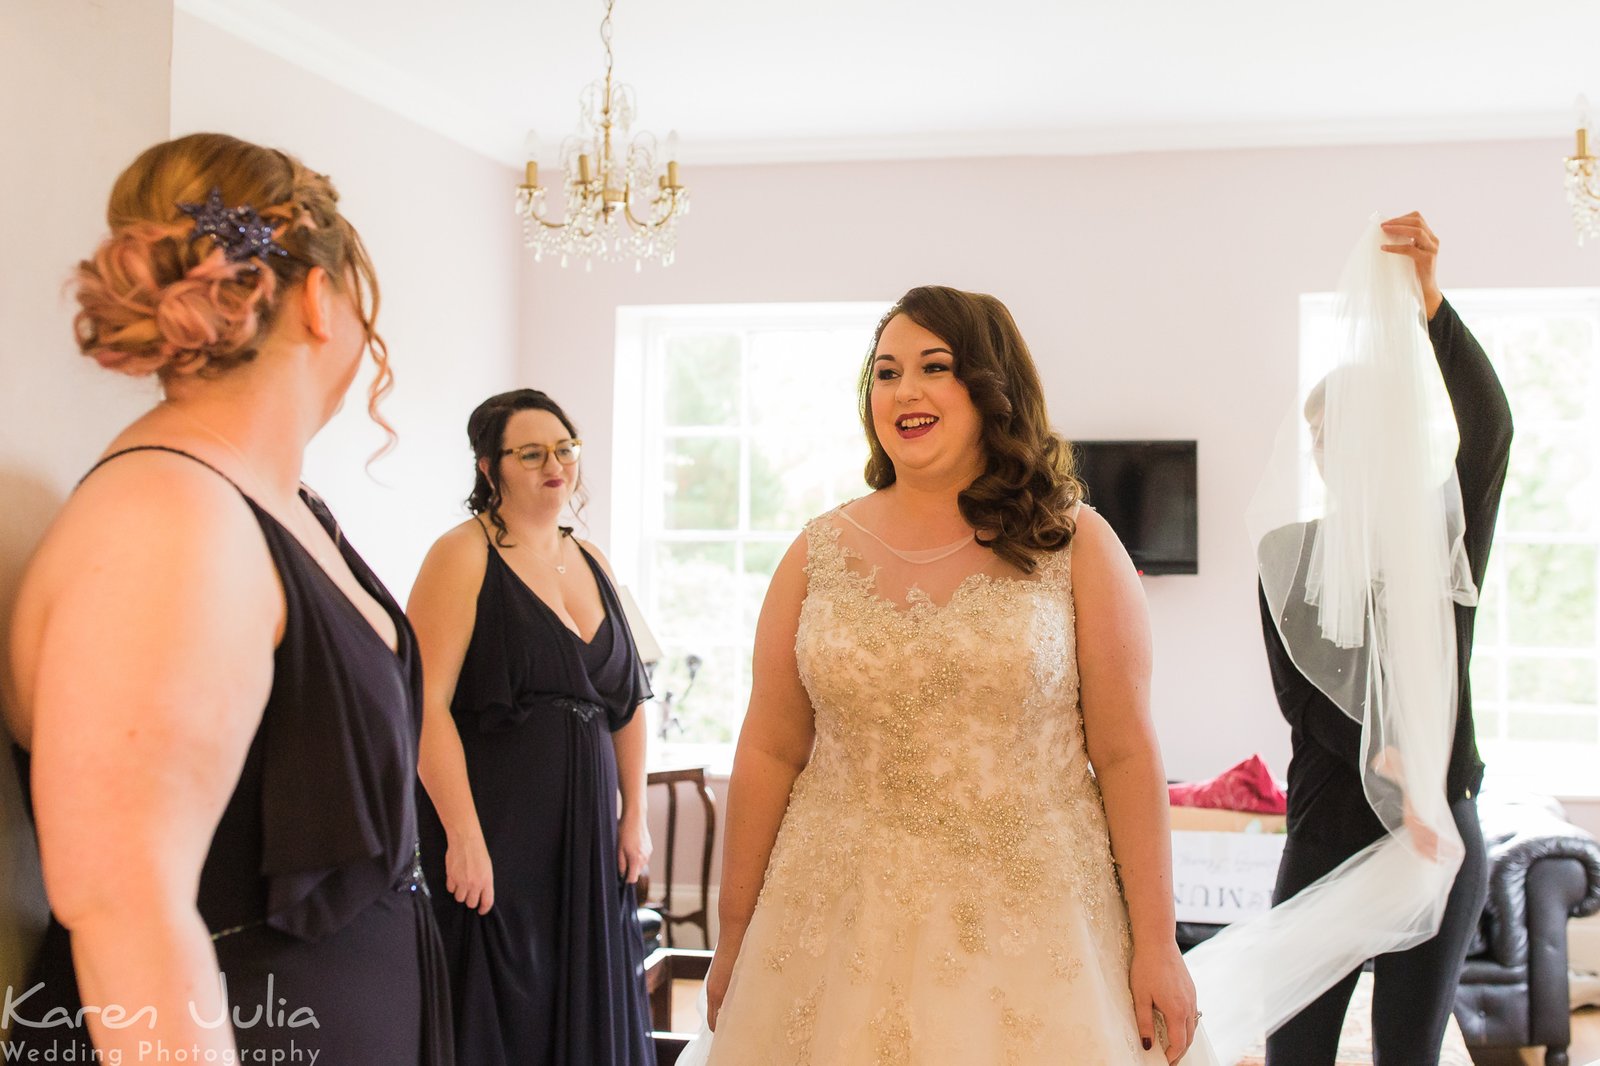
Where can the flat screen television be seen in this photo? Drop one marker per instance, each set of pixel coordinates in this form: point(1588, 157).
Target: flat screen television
point(1145, 489)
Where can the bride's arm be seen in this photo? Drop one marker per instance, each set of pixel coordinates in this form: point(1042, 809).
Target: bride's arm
point(1114, 668)
point(774, 746)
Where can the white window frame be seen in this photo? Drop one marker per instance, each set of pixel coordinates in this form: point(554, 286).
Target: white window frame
point(636, 506)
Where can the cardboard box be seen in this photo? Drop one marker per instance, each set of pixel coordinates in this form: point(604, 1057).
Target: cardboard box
point(1224, 863)
point(1205, 819)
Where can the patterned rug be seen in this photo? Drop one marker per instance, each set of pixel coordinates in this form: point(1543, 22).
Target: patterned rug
point(1355, 1043)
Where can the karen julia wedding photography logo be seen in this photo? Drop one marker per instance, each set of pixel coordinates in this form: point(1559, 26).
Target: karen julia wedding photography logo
point(28, 1024)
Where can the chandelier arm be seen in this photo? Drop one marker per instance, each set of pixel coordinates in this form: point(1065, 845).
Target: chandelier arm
point(637, 223)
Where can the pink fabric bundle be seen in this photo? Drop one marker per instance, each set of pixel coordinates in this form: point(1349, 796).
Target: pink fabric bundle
point(1248, 786)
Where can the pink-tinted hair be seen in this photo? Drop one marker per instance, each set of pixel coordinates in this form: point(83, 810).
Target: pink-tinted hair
point(153, 301)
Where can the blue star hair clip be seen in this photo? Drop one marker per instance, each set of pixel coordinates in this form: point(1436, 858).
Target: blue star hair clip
point(238, 231)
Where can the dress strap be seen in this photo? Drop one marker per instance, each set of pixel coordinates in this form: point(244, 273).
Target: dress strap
point(169, 450)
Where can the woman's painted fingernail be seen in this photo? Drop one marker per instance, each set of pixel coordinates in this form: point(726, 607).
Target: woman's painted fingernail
point(1146, 1042)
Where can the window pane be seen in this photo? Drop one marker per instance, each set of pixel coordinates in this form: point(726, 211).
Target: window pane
point(1551, 485)
point(1491, 598)
point(758, 432)
point(805, 380)
point(1547, 366)
point(760, 560)
point(793, 479)
point(696, 599)
point(1562, 681)
point(702, 483)
point(702, 379)
point(807, 451)
point(707, 711)
point(1485, 673)
point(1551, 594)
point(1532, 725)
point(1487, 718)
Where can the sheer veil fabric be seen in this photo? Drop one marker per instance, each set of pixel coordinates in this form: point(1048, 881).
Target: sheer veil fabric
point(1361, 567)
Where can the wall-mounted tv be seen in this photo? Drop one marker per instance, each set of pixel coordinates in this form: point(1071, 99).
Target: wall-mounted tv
point(1145, 489)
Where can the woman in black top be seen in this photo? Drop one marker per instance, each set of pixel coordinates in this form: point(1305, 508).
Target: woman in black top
point(530, 731)
point(1330, 818)
point(221, 700)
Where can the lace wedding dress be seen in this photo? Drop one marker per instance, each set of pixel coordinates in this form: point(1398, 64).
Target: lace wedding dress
point(942, 887)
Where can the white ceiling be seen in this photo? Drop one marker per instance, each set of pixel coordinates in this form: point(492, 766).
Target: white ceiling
point(781, 80)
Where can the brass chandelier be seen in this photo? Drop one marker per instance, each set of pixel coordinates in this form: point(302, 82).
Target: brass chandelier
point(618, 205)
point(1583, 181)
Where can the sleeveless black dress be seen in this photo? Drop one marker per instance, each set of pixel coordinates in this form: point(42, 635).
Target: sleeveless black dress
point(553, 975)
point(312, 887)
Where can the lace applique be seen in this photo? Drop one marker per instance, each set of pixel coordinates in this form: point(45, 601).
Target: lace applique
point(802, 1026)
point(891, 1031)
point(1019, 1029)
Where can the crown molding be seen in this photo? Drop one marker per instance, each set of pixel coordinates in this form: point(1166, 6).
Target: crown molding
point(1122, 140)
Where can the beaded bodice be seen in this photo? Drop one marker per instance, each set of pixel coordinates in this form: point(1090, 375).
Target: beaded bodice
point(949, 769)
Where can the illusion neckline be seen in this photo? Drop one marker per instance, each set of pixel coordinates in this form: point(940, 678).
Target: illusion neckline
point(917, 599)
point(917, 557)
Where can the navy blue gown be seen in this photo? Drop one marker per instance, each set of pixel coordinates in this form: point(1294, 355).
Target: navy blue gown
point(553, 975)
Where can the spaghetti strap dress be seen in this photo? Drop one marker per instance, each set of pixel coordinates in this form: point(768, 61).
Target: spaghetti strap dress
point(553, 974)
point(312, 887)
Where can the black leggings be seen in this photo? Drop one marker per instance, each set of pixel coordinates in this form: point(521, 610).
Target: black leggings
point(1413, 991)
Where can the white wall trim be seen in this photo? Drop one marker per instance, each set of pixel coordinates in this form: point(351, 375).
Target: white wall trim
point(1132, 138)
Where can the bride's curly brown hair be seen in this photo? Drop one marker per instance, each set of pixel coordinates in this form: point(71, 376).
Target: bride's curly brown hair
point(1021, 505)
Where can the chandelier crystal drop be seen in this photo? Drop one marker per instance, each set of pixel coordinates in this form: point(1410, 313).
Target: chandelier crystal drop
point(1583, 181)
point(620, 204)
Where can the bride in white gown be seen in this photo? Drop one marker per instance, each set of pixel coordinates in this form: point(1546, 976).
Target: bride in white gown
point(948, 757)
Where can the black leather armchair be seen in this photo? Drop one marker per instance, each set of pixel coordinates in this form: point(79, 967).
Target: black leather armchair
point(1542, 871)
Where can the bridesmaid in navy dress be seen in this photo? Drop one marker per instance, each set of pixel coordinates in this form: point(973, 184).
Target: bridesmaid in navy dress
point(221, 701)
point(530, 732)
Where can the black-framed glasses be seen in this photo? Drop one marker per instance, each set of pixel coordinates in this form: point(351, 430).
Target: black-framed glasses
point(532, 456)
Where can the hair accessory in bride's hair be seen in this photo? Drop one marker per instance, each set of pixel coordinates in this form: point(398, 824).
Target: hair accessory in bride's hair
point(240, 232)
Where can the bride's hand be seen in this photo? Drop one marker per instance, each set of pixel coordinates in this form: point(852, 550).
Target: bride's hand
point(1160, 982)
point(717, 978)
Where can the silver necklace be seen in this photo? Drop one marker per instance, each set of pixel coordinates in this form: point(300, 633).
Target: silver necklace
point(560, 568)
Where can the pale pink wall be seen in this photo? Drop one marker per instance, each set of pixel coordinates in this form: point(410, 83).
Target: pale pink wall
point(83, 88)
point(1159, 293)
point(437, 219)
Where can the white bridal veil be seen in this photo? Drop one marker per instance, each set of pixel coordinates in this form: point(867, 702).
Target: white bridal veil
point(1358, 531)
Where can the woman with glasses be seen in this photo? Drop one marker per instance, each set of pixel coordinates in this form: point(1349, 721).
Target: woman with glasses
point(531, 682)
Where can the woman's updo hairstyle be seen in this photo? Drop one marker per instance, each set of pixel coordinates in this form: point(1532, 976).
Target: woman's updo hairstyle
point(153, 299)
point(486, 432)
